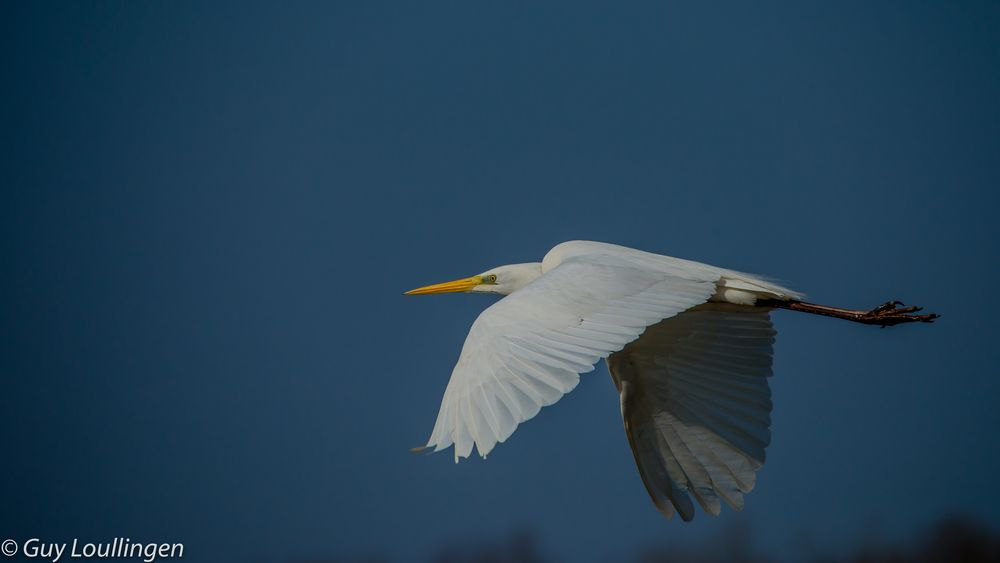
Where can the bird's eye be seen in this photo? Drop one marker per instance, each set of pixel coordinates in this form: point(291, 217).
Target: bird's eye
point(492, 278)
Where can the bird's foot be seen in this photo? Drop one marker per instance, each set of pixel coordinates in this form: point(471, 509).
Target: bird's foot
point(893, 313)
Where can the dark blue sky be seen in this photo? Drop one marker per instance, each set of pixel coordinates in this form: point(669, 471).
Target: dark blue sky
point(210, 211)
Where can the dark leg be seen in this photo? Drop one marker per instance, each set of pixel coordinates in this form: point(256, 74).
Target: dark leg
point(887, 314)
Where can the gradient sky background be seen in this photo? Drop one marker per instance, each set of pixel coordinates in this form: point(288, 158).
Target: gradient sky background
point(210, 210)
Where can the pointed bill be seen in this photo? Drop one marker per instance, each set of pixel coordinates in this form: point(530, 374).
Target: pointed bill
point(464, 284)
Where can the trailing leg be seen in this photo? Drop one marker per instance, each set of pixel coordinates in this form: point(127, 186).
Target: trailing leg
point(888, 314)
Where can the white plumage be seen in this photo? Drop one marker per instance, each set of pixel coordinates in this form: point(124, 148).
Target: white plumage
point(687, 350)
point(697, 406)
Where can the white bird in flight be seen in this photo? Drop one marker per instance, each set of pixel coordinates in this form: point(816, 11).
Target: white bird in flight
point(688, 346)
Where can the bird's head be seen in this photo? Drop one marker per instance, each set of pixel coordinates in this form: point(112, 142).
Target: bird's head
point(502, 280)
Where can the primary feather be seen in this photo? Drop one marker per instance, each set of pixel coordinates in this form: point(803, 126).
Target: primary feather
point(697, 406)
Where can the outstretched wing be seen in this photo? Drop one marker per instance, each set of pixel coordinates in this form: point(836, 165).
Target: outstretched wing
point(697, 406)
point(528, 349)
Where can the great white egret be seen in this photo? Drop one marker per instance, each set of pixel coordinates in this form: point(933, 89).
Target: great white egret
point(688, 346)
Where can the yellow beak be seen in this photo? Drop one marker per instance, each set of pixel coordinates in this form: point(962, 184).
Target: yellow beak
point(464, 284)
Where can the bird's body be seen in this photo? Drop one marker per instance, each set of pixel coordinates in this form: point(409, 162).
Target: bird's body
point(686, 343)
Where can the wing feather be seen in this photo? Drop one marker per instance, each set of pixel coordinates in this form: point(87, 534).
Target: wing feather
point(699, 381)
